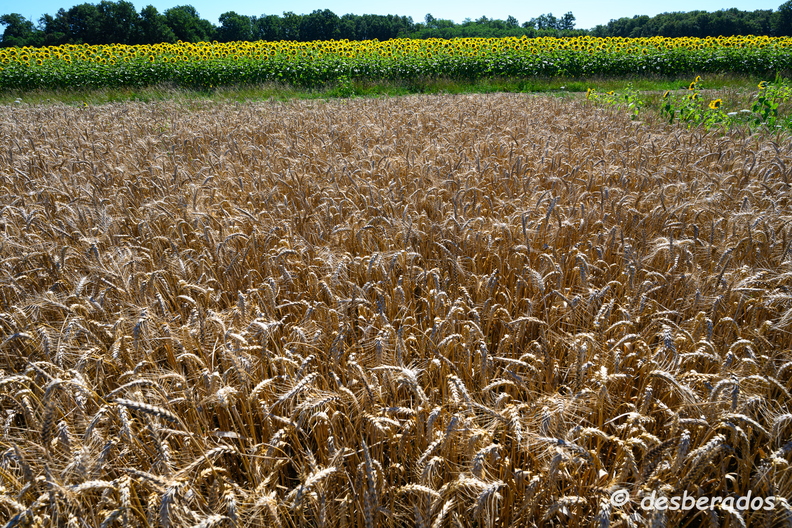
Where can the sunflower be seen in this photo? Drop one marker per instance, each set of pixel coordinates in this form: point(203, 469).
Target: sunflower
point(762, 85)
point(714, 105)
point(665, 95)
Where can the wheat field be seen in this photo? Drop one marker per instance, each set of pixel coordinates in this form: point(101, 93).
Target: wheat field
point(441, 311)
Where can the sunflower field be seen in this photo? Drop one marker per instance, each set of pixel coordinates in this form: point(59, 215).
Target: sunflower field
point(210, 64)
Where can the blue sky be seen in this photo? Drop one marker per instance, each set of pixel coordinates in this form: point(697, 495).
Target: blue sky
point(588, 13)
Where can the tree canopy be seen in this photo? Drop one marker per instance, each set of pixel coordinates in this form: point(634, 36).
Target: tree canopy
point(118, 22)
point(726, 22)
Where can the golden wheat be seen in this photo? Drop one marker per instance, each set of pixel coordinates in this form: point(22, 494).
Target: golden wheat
point(424, 311)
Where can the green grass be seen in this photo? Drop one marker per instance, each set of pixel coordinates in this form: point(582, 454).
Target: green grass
point(346, 88)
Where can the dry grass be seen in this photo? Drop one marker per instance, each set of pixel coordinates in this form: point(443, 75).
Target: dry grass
point(427, 311)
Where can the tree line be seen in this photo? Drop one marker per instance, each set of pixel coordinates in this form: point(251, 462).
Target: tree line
point(118, 22)
point(702, 24)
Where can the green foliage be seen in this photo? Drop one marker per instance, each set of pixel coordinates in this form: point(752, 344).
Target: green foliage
point(630, 99)
point(768, 100)
point(343, 88)
point(692, 109)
